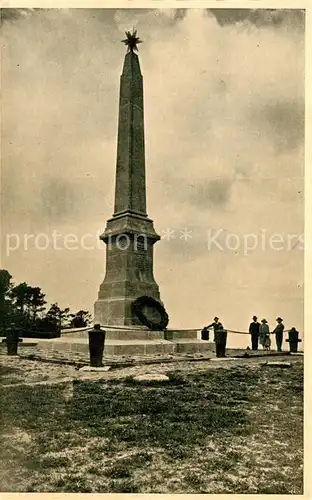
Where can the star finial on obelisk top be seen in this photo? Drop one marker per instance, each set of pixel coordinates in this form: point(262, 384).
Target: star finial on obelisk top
point(132, 40)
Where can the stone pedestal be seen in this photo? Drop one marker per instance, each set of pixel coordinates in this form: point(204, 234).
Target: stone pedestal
point(129, 269)
point(134, 342)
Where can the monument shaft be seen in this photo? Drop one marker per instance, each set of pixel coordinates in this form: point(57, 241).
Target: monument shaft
point(129, 234)
point(130, 192)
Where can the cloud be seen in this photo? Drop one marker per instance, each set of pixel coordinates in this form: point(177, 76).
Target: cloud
point(216, 191)
point(58, 199)
point(11, 15)
point(261, 17)
point(224, 149)
point(163, 18)
point(285, 120)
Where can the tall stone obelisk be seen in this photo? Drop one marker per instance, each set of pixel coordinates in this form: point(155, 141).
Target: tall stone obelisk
point(129, 234)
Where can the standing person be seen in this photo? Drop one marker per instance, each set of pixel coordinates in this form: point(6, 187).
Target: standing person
point(278, 330)
point(220, 340)
point(264, 332)
point(267, 345)
point(216, 325)
point(254, 331)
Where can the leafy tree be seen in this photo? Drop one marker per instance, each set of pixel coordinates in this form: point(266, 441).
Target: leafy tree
point(25, 306)
point(36, 302)
point(5, 282)
point(5, 303)
point(45, 325)
point(80, 319)
point(57, 316)
point(28, 302)
point(20, 295)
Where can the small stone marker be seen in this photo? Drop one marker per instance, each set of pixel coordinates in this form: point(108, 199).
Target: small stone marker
point(278, 364)
point(94, 369)
point(223, 359)
point(151, 377)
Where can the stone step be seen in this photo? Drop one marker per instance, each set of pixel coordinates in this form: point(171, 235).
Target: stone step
point(175, 335)
point(118, 347)
point(78, 348)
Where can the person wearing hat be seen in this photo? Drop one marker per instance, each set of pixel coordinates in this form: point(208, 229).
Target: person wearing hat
point(278, 330)
point(264, 332)
point(254, 332)
point(216, 325)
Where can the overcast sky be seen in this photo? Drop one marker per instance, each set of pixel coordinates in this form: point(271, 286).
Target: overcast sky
point(224, 126)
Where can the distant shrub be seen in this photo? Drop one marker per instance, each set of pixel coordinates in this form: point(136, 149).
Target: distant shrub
point(126, 486)
point(54, 462)
point(119, 471)
point(129, 379)
point(176, 378)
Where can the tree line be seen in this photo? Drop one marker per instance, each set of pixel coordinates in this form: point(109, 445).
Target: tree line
point(25, 307)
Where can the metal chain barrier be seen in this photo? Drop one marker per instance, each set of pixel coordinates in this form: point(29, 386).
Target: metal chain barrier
point(129, 328)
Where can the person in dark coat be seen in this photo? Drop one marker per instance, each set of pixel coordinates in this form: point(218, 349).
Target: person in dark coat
point(254, 332)
point(278, 330)
point(216, 325)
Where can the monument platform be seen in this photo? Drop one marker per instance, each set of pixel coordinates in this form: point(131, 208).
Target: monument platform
point(130, 342)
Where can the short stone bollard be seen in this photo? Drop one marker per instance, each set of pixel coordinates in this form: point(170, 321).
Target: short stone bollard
point(293, 339)
point(205, 333)
point(96, 345)
point(220, 340)
point(12, 341)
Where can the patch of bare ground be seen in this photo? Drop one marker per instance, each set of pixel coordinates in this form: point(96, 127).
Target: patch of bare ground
point(231, 427)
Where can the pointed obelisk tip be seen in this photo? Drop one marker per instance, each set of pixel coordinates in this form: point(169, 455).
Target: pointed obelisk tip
point(132, 40)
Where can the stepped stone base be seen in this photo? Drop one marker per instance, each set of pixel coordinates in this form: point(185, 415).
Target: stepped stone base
point(135, 333)
point(134, 342)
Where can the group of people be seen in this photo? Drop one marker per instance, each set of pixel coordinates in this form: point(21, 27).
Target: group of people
point(260, 333)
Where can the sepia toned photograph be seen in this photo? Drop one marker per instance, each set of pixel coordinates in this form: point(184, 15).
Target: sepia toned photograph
point(152, 250)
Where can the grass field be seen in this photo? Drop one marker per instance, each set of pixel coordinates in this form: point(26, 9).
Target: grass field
point(235, 428)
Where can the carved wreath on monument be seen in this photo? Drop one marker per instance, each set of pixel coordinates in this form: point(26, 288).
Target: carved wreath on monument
point(150, 312)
